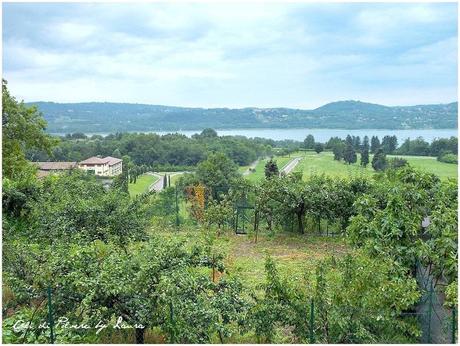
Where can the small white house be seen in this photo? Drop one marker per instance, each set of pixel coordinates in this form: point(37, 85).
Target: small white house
point(105, 167)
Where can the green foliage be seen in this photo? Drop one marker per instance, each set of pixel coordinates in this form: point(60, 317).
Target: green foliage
point(397, 162)
point(359, 300)
point(338, 149)
point(349, 155)
point(23, 128)
point(365, 152)
point(271, 169)
point(379, 161)
point(448, 158)
point(309, 142)
point(319, 147)
point(76, 206)
point(218, 213)
point(217, 173)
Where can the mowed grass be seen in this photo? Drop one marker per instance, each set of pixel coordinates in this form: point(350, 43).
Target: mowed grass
point(324, 162)
point(142, 184)
point(259, 173)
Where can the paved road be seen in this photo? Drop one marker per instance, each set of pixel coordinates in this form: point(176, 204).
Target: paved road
point(290, 165)
point(158, 185)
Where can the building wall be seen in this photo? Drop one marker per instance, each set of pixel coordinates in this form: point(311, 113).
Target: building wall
point(115, 169)
point(101, 169)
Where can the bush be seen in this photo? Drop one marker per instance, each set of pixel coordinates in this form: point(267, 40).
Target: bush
point(448, 158)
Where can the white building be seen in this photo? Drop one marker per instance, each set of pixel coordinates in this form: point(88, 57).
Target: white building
point(106, 167)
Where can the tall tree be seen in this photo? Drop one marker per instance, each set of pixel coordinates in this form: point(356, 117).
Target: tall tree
point(375, 144)
point(271, 169)
point(365, 152)
point(379, 161)
point(217, 172)
point(349, 154)
point(357, 143)
point(338, 150)
point(309, 142)
point(389, 144)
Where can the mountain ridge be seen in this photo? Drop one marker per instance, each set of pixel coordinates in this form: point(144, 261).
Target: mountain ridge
point(348, 114)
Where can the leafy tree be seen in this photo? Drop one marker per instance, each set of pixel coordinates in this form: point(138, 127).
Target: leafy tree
point(271, 169)
point(389, 144)
point(309, 142)
point(218, 213)
point(379, 161)
point(349, 154)
point(375, 144)
point(319, 147)
point(338, 150)
point(23, 129)
point(217, 172)
point(359, 299)
point(365, 152)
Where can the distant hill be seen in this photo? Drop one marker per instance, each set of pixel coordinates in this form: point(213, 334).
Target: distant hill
point(112, 117)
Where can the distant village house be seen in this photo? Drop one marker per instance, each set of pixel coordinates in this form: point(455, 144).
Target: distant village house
point(46, 168)
point(105, 167)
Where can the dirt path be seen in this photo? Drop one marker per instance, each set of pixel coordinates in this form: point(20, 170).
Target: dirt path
point(288, 168)
point(251, 166)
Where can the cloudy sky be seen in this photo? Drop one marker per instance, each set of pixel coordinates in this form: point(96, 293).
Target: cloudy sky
point(231, 55)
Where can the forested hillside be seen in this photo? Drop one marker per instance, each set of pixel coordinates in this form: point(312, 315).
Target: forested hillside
point(113, 117)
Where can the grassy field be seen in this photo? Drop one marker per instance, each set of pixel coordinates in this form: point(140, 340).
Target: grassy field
point(259, 173)
point(312, 163)
point(142, 184)
point(294, 254)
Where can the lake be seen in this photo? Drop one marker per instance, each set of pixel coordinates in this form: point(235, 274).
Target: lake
point(323, 135)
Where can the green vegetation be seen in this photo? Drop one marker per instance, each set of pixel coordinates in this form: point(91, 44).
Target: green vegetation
point(117, 117)
point(325, 258)
point(142, 184)
point(313, 163)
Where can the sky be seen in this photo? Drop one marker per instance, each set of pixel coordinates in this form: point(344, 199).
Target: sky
point(298, 55)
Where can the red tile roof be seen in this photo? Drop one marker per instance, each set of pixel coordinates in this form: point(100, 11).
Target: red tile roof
point(98, 161)
point(51, 166)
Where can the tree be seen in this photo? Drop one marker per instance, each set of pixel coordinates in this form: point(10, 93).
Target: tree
point(309, 142)
point(379, 161)
point(389, 144)
point(375, 144)
point(349, 155)
point(338, 150)
point(208, 133)
point(271, 169)
point(217, 173)
point(319, 147)
point(23, 128)
point(357, 143)
point(365, 152)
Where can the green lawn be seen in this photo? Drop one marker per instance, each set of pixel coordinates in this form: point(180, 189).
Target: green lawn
point(259, 173)
point(324, 162)
point(142, 184)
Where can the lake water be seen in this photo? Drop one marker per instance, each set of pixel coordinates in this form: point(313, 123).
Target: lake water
point(323, 135)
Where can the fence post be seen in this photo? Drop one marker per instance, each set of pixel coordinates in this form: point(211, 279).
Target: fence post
point(454, 325)
point(171, 321)
point(312, 321)
point(50, 316)
point(177, 210)
point(430, 307)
